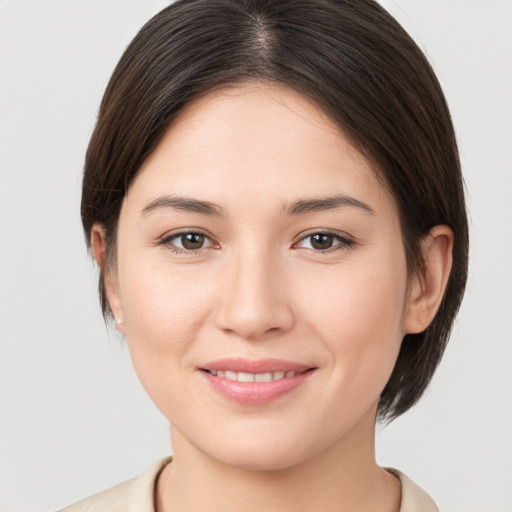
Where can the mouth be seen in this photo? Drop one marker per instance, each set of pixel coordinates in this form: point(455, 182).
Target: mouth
point(254, 377)
point(255, 382)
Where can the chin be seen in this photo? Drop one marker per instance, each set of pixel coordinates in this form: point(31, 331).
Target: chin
point(256, 451)
point(259, 459)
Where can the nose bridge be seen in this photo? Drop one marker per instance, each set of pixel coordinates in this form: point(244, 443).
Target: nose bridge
point(254, 302)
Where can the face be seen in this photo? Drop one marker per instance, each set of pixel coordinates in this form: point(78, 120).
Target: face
point(262, 280)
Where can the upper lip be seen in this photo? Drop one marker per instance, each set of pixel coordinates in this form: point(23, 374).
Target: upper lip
point(254, 366)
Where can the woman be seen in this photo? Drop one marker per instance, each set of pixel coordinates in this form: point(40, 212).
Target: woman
point(273, 196)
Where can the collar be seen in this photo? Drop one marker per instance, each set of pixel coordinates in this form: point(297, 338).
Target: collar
point(141, 493)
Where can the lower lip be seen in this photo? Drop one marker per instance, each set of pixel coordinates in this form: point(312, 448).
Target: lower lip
point(255, 393)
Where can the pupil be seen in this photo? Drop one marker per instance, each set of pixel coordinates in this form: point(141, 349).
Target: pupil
point(192, 240)
point(321, 241)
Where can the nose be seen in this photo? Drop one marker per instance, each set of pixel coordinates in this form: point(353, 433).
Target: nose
point(255, 302)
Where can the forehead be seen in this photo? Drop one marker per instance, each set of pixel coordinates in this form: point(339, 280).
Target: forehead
point(256, 141)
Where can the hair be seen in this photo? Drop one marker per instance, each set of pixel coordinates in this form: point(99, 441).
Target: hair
point(357, 64)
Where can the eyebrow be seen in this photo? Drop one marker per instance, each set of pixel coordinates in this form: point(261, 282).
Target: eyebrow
point(313, 205)
point(299, 207)
point(185, 204)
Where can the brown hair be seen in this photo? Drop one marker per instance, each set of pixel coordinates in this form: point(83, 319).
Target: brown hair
point(356, 63)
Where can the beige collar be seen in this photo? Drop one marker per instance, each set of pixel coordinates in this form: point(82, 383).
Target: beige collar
point(137, 495)
point(140, 498)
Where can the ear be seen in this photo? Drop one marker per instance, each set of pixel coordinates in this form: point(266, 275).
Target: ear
point(110, 285)
point(427, 290)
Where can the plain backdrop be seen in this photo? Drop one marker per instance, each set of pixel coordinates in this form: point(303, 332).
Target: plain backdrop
point(73, 417)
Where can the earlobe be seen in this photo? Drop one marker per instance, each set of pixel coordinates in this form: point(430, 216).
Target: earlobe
point(98, 248)
point(427, 291)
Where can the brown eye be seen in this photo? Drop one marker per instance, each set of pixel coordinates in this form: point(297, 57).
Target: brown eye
point(192, 241)
point(321, 241)
point(187, 242)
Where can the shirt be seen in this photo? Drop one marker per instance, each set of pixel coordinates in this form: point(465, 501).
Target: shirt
point(137, 494)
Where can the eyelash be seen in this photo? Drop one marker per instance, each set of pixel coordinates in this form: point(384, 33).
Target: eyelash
point(345, 242)
point(167, 241)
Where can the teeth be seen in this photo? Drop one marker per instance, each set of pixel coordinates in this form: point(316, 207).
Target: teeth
point(251, 377)
point(262, 377)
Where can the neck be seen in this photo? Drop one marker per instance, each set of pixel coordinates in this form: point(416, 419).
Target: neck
point(344, 476)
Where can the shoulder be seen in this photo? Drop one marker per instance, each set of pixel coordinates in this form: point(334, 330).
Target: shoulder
point(414, 498)
point(114, 499)
point(135, 494)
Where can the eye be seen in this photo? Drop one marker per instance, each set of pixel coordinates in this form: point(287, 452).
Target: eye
point(188, 241)
point(323, 241)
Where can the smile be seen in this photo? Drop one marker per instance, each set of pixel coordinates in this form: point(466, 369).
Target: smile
point(252, 382)
point(252, 377)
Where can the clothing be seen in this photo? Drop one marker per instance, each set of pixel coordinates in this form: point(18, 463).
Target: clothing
point(137, 495)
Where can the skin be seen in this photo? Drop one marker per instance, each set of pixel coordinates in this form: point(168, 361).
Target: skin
point(259, 289)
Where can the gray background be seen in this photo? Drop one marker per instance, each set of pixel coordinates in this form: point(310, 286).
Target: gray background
point(73, 417)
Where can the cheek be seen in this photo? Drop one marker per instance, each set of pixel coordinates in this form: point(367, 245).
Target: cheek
point(160, 298)
point(357, 299)
point(164, 313)
point(357, 313)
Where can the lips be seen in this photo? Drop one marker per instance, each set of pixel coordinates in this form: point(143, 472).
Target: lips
point(252, 377)
point(254, 382)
